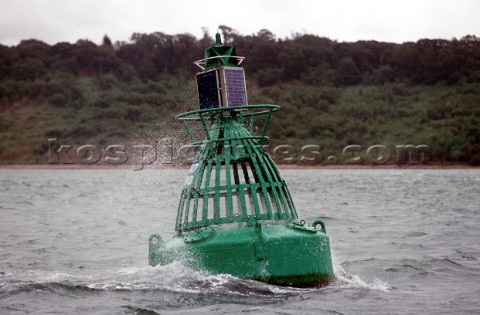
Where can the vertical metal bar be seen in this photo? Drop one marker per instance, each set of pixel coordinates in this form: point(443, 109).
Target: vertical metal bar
point(241, 193)
point(252, 119)
point(266, 122)
point(274, 181)
point(198, 177)
point(218, 168)
point(253, 189)
point(292, 206)
point(180, 211)
point(187, 206)
point(283, 200)
point(227, 154)
point(204, 126)
point(206, 190)
point(189, 132)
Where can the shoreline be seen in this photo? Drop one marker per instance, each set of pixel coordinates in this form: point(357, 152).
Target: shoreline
point(280, 166)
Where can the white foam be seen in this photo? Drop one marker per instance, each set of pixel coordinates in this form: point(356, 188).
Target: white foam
point(177, 277)
point(345, 280)
point(172, 277)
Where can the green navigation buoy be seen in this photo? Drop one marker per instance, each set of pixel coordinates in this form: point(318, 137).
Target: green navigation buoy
point(235, 214)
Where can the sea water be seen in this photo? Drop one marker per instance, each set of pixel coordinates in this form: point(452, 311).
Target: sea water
point(404, 241)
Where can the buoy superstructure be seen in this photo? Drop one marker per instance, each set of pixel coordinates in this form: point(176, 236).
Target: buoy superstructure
point(236, 215)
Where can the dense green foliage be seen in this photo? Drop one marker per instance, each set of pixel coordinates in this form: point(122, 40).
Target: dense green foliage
point(332, 93)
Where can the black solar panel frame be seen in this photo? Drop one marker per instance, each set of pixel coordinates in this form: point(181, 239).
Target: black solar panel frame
point(208, 89)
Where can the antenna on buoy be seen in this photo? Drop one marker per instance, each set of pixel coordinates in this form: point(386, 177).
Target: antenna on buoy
point(218, 39)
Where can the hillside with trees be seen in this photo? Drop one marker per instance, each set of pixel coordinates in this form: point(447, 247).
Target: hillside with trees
point(333, 94)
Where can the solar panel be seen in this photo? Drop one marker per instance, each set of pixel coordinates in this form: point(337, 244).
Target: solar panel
point(207, 84)
point(223, 86)
point(236, 92)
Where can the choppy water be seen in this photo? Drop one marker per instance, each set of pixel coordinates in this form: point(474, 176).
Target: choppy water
point(75, 242)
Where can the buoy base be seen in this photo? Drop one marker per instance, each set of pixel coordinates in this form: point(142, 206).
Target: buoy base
point(290, 254)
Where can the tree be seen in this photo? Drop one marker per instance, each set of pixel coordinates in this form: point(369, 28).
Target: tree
point(28, 69)
point(348, 73)
point(229, 34)
point(106, 41)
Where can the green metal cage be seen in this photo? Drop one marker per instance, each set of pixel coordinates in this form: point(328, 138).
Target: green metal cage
point(232, 178)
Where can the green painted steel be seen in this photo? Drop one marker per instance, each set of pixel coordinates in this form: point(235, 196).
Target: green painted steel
point(232, 179)
point(223, 50)
point(236, 214)
point(269, 252)
point(220, 55)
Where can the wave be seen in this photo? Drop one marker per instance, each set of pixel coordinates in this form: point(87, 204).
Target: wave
point(175, 277)
point(345, 280)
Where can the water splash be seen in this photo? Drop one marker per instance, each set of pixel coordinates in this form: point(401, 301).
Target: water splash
point(345, 280)
point(175, 277)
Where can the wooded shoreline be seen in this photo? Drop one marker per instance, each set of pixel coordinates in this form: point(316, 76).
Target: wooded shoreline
point(332, 94)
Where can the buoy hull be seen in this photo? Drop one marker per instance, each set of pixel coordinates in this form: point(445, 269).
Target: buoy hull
point(276, 254)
